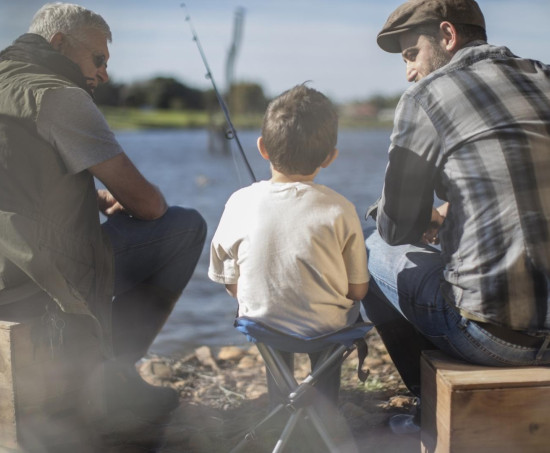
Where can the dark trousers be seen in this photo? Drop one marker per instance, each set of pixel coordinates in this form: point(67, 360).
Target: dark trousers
point(154, 261)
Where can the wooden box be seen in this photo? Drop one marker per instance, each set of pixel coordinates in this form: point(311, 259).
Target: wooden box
point(47, 381)
point(469, 408)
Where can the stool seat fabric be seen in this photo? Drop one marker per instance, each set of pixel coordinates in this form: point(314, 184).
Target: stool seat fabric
point(258, 332)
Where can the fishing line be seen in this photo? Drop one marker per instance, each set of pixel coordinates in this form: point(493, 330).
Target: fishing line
point(232, 132)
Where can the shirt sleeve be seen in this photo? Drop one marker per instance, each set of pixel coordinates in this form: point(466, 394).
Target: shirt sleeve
point(69, 120)
point(404, 211)
point(223, 266)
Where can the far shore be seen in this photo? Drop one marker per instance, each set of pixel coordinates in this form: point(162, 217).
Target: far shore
point(121, 118)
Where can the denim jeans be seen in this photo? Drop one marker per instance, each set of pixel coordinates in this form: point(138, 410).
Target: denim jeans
point(409, 278)
point(162, 252)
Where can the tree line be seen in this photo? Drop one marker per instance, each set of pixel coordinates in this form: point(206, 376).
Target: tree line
point(168, 93)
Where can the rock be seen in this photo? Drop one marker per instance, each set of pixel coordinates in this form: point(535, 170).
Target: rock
point(161, 370)
point(373, 362)
point(155, 370)
point(256, 391)
point(401, 401)
point(204, 356)
point(246, 362)
point(231, 353)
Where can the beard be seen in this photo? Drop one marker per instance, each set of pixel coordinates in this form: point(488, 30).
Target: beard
point(440, 57)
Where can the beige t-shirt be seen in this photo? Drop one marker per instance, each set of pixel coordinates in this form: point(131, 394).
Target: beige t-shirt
point(293, 248)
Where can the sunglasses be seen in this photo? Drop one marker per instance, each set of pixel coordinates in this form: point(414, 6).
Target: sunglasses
point(98, 59)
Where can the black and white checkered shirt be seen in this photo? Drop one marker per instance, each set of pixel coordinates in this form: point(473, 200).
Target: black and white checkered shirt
point(477, 133)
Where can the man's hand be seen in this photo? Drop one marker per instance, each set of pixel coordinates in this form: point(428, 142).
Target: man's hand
point(431, 236)
point(140, 198)
point(108, 205)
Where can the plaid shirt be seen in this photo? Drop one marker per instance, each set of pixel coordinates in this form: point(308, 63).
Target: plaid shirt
point(477, 133)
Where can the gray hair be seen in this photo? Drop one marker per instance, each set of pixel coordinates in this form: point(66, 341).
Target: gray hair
point(69, 19)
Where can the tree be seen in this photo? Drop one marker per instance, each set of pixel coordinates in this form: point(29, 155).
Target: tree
point(109, 94)
point(246, 98)
point(167, 93)
point(135, 95)
point(384, 102)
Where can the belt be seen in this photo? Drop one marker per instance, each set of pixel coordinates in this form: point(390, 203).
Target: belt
point(512, 336)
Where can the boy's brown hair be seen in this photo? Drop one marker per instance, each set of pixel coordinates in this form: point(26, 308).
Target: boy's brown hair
point(299, 130)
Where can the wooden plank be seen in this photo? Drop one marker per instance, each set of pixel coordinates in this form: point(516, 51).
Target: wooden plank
point(45, 373)
point(461, 375)
point(506, 420)
point(436, 417)
point(8, 426)
point(502, 414)
point(40, 384)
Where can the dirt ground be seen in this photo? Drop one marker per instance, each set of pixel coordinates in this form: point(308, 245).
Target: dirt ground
point(223, 392)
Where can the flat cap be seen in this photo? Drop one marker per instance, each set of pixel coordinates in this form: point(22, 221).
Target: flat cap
point(413, 13)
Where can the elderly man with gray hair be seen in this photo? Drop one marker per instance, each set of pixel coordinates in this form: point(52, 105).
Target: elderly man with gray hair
point(125, 274)
point(474, 129)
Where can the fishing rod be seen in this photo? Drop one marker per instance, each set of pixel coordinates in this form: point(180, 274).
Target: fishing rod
point(232, 133)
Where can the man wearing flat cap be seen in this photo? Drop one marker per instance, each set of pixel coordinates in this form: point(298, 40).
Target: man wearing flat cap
point(473, 130)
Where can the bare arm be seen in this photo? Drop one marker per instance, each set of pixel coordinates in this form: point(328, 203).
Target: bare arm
point(357, 291)
point(131, 192)
point(231, 288)
point(442, 210)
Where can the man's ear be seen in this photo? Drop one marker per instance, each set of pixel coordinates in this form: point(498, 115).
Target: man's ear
point(58, 41)
point(330, 158)
point(450, 36)
point(261, 148)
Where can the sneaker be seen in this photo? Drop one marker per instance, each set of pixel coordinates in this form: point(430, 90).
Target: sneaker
point(404, 424)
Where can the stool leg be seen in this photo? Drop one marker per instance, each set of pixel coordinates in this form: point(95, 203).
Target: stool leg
point(326, 438)
point(251, 435)
point(287, 431)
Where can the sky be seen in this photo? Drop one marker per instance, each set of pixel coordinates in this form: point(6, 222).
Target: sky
point(285, 42)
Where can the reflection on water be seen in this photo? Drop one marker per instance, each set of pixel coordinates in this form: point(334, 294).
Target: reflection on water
point(180, 164)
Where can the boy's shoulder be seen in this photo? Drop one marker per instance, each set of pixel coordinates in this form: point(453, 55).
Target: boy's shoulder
point(246, 195)
point(258, 191)
point(248, 190)
point(335, 196)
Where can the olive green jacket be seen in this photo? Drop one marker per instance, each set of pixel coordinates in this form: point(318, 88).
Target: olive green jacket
point(50, 230)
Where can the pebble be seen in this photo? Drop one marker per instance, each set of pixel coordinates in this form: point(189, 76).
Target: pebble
point(231, 353)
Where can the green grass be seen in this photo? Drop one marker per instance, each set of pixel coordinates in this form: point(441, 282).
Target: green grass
point(133, 118)
point(120, 118)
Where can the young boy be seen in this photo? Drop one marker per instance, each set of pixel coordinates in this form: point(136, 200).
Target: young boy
point(290, 250)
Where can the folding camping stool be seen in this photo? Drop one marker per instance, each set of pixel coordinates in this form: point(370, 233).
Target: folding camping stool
point(298, 405)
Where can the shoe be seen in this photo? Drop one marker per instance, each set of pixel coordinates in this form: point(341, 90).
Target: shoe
point(404, 424)
point(126, 390)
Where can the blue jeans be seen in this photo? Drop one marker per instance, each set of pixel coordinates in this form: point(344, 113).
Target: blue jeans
point(409, 278)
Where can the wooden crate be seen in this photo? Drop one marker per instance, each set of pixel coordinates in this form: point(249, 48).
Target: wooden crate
point(47, 387)
point(469, 408)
